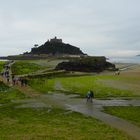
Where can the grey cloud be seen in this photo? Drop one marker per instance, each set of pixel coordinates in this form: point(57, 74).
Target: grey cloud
point(96, 26)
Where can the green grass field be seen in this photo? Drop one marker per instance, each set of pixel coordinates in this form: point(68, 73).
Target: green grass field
point(1, 65)
point(103, 85)
point(42, 84)
point(130, 113)
point(80, 85)
point(25, 67)
point(50, 63)
point(43, 123)
point(58, 124)
point(39, 124)
point(8, 93)
point(28, 66)
point(126, 81)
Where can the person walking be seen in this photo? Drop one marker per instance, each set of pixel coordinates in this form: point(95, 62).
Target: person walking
point(89, 96)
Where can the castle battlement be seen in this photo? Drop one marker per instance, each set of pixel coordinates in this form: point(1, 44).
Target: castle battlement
point(55, 40)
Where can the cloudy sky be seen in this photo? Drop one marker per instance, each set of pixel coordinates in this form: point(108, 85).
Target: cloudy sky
point(98, 27)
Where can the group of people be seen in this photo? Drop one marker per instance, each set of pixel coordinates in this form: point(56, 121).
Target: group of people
point(90, 96)
point(6, 73)
point(117, 72)
point(12, 79)
point(19, 81)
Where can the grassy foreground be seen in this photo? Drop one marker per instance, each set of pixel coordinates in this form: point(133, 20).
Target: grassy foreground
point(39, 124)
point(45, 123)
point(130, 113)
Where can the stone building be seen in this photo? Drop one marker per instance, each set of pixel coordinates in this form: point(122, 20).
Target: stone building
point(55, 40)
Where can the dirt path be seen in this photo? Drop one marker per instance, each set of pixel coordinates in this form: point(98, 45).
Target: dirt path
point(58, 86)
point(95, 110)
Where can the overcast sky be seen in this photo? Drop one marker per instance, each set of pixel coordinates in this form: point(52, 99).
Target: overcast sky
point(98, 27)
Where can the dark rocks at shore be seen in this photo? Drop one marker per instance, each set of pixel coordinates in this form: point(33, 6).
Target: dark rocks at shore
point(90, 64)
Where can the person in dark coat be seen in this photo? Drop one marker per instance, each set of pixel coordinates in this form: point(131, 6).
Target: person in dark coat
point(90, 95)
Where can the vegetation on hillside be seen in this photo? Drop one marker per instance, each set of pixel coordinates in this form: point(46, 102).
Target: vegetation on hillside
point(7, 94)
point(1, 65)
point(24, 67)
point(56, 48)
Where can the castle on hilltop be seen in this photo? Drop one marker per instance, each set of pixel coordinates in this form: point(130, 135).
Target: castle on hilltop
point(55, 40)
point(55, 46)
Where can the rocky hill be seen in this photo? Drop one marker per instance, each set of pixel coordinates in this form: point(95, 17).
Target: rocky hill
point(56, 47)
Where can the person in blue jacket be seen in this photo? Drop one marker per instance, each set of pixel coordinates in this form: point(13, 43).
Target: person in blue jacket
point(90, 95)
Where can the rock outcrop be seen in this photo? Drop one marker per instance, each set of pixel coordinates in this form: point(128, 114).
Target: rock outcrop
point(89, 64)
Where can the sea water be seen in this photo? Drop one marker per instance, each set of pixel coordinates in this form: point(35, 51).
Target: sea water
point(135, 59)
point(3, 60)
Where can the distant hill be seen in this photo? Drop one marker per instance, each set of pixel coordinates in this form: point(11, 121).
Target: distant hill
point(56, 47)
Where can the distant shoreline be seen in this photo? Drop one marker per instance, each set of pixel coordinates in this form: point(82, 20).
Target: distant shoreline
point(127, 60)
point(115, 60)
point(3, 59)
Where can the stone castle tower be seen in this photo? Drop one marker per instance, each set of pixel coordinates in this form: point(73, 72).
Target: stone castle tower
point(55, 40)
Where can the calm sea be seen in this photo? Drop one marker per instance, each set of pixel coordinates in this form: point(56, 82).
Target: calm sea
point(3, 60)
point(135, 59)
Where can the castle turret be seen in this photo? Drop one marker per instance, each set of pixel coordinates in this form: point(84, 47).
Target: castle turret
point(55, 40)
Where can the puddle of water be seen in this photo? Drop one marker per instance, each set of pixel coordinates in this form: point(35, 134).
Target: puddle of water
point(69, 99)
point(33, 105)
point(24, 101)
point(62, 100)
